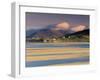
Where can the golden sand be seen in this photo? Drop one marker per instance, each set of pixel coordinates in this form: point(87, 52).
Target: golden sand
point(69, 53)
point(31, 51)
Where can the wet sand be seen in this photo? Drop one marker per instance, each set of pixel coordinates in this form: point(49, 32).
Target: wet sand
point(51, 55)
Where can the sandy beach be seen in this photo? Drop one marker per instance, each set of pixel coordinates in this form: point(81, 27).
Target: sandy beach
point(60, 54)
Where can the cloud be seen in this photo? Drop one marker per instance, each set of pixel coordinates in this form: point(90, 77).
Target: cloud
point(62, 26)
point(78, 28)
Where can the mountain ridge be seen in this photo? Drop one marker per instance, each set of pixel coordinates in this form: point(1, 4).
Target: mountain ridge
point(51, 31)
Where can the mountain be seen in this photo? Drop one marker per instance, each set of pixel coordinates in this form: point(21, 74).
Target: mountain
point(49, 33)
point(54, 31)
point(79, 34)
point(30, 32)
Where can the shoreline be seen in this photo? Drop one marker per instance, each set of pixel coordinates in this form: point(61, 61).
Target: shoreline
point(59, 42)
point(57, 45)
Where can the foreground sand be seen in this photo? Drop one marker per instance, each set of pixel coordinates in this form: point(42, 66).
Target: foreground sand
point(45, 54)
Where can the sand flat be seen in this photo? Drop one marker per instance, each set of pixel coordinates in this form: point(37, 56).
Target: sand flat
point(46, 56)
point(56, 50)
point(39, 58)
point(70, 53)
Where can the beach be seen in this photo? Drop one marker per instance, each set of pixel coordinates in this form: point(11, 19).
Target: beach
point(56, 56)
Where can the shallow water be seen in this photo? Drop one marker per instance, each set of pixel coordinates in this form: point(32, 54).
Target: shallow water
point(52, 62)
point(56, 45)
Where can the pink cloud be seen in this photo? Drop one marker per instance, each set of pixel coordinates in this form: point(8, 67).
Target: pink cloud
point(78, 28)
point(62, 26)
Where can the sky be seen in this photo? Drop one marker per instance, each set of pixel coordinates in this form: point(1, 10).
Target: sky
point(42, 20)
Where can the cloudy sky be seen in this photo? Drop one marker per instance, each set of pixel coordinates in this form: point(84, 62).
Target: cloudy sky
point(41, 20)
